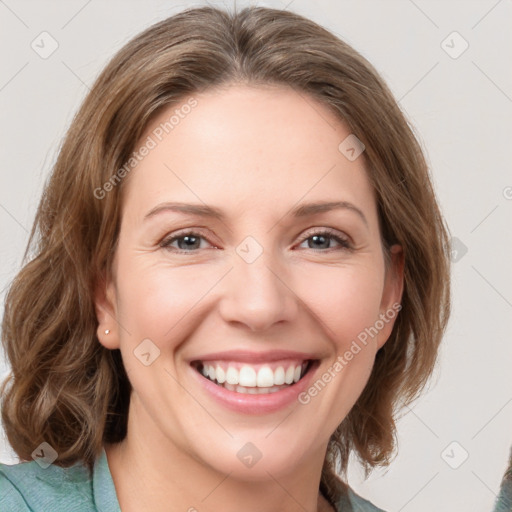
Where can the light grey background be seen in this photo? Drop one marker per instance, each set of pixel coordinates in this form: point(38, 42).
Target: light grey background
point(461, 109)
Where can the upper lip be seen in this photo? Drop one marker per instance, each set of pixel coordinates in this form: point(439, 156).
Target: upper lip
point(247, 356)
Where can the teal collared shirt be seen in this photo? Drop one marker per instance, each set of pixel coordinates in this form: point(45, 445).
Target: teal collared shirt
point(28, 487)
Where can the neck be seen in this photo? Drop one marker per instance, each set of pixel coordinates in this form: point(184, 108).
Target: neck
point(151, 473)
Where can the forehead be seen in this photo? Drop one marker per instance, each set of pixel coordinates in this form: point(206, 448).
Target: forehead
point(250, 148)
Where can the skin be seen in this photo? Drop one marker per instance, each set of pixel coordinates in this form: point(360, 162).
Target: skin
point(254, 152)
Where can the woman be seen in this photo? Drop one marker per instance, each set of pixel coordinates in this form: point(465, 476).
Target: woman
point(241, 274)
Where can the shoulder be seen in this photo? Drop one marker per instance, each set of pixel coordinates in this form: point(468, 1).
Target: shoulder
point(359, 504)
point(29, 487)
point(355, 503)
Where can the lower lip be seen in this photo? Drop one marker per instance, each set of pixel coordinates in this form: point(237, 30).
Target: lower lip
point(256, 404)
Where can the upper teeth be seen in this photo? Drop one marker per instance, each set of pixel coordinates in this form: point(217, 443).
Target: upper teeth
point(248, 376)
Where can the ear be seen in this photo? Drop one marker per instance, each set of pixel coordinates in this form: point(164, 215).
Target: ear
point(392, 293)
point(105, 306)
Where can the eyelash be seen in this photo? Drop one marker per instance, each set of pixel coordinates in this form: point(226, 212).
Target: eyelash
point(344, 242)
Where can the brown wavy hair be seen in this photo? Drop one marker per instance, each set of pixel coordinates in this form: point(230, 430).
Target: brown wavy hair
point(65, 388)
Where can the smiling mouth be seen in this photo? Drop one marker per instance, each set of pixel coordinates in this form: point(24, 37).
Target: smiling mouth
point(254, 379)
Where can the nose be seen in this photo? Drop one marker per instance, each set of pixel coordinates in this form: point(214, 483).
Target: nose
point(258, 295)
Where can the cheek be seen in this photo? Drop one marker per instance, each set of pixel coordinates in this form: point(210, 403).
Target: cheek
point(157, 301)
point(345, 299)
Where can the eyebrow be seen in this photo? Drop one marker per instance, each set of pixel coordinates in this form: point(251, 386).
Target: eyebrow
point(303, 210)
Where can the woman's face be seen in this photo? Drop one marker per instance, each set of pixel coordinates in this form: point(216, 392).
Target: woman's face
point(265, 289)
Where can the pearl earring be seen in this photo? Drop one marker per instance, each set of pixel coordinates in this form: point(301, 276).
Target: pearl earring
point(107, 331)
